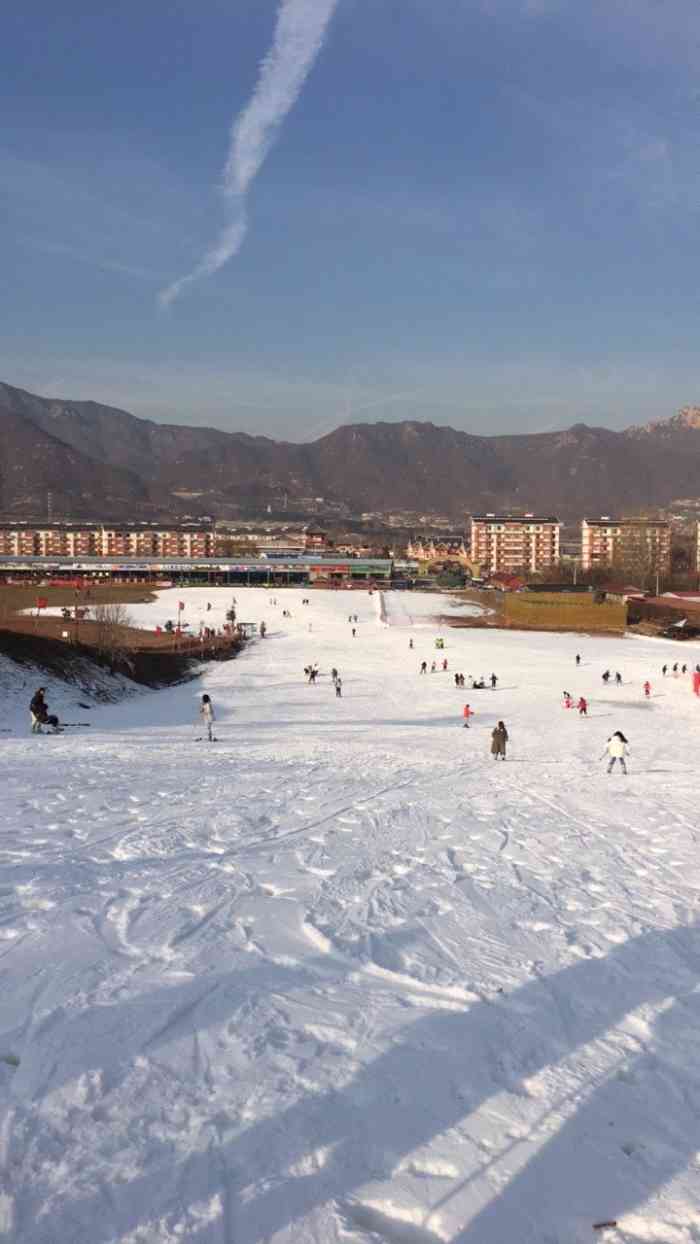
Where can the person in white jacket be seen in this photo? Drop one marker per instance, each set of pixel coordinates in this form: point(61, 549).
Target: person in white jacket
point(206, 712)
point(617, 749)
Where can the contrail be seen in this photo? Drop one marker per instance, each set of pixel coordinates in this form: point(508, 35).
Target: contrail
point(299, 33)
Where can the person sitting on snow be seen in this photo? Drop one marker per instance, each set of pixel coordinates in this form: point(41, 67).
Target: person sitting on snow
point(39, 713)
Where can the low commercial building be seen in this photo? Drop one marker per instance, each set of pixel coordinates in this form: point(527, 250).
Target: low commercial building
point(641, 545)
point(504, 543)
point(306, 570)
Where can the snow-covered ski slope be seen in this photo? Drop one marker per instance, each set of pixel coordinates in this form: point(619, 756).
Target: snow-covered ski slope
point(340, 976)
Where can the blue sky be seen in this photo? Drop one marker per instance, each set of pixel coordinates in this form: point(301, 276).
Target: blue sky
point(479, 212)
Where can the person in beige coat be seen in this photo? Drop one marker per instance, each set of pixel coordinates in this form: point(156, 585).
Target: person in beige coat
point(499, 738)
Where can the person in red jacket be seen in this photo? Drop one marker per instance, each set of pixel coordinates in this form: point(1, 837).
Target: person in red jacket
point(467, 713)
point(647, 689)
point(582, 707)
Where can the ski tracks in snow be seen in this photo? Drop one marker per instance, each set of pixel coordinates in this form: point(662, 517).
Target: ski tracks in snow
point(346, 982)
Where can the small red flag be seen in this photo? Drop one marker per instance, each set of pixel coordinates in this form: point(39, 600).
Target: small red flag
point(41, 602)
point(181, 604)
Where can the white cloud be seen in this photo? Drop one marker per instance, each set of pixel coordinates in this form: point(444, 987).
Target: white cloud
point(299, 33)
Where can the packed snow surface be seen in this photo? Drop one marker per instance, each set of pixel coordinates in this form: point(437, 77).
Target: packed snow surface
point(340, 975)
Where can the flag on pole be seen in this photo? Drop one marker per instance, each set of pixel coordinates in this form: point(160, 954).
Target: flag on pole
point(181, 604)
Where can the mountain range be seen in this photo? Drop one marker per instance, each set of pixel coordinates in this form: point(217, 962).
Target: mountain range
point(101, 462)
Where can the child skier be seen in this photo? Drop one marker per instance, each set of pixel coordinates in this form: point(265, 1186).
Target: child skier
point(206, 712)
point(582, 707)
point(617, 749)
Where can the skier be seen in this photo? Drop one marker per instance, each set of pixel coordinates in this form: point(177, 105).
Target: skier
point(617, 749)
point(568, 702)
point(684, 669)
point(444, 664)
point(334, 674)
point(206, 712)
point(424, 667)
point(664, 668)
point(675, 669)
point(433, 668)
point(339, 687)
point(499, 738)
point(582, 706)
point(467, 712)
point(618, 680)
point(494, 680)
point(647, 689)
point(578, 659)
point(606, 677)
point(410, 643)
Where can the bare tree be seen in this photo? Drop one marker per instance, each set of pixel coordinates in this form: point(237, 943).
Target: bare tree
point(111, 620)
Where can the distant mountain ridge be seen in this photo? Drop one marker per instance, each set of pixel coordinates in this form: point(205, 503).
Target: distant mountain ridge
point(99, 461)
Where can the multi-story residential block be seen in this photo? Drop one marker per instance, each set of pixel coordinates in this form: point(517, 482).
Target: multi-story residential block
point(632, 544)
point(504, 543)
point(65, 540)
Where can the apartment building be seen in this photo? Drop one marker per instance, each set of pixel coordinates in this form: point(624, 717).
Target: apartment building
point(62, 540)
point(504, 543)
point(641, 544)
